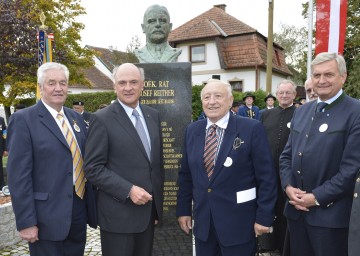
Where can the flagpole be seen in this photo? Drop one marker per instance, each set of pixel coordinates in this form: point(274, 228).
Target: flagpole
point(41, 48)
point(310, 34)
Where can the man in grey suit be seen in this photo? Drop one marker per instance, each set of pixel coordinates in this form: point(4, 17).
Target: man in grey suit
point(319, 163)
point(126, 166)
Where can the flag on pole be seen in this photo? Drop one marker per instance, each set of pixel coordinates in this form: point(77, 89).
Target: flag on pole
point(330, 26)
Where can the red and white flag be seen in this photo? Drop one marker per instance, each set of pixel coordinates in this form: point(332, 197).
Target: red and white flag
point(330, 25)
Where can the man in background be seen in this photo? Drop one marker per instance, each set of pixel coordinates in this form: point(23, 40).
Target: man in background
point(309, 89)
point(51, 198)
point(3, 151)
point(269, 102)
point(124, 160)
point(79, 106)
point(227, 172)
point(249, 109)
point(156, 25)
point(277, 126)
point(319, 163)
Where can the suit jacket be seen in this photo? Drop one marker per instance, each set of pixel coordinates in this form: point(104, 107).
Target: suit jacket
point(115, 160)
point(40, 170)
point(245, 112)
point(354, 227)
point(322, 157)
point(237, 170)
point(3, 135)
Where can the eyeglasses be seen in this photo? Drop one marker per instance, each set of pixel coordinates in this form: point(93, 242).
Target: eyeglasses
point(285, 93)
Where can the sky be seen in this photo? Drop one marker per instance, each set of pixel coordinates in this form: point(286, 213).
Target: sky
point(115, 22)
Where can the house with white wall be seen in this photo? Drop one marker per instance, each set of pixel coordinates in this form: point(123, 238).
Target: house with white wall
point(216, 43)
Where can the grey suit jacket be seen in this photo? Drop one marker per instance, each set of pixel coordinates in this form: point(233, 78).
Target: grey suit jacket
point(115, 160)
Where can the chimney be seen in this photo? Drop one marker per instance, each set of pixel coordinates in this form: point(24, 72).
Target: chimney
point(221, 6)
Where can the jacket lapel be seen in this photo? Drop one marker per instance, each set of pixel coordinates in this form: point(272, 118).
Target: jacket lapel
point(122, 118)
point(47, 120)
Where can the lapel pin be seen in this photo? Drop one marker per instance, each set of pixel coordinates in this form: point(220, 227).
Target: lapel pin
point(237, 143)
point(76, 127)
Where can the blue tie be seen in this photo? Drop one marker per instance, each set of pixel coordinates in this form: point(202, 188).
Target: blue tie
point(320, 106)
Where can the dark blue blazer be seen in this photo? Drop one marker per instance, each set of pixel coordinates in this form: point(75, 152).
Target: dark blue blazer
point(243, 111)
point(40, 172)
point(237, 170)
point(322, 156)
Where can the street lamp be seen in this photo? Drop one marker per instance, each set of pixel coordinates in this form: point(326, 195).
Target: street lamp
point(269, 47)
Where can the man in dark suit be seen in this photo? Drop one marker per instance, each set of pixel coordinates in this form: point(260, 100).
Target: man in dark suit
point(227, 172)
point(249, 109)
point(277, 126)
point(319, 163)
point(79, 107)
point(125, 163)
point(51, 202)
point(3, 151)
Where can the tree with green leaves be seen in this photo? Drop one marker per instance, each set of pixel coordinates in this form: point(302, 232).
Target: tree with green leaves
point(19, 22)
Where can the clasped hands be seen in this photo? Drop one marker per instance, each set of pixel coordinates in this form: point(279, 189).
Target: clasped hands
point(300, 199)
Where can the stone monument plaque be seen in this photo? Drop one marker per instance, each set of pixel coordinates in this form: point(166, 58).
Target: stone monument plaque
point(168, 89)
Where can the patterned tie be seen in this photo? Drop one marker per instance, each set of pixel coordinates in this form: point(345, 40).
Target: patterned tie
point(141, 131)
point(77, 159)
point(320, 106)
point(211, 143)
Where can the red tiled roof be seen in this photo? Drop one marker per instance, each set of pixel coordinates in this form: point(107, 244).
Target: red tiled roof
point(238, 44)
point(249, 50)
point(213, 23)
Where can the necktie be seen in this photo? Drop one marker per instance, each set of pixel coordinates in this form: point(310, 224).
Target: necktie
point(211, 143)
point(141, 131)
point(76, 155)
point(320, 106)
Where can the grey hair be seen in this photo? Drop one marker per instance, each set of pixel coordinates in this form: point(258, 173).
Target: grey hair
point(141, 71)
point(49, 66)
point(286, 82)
point(327, 56)
point(210, 81)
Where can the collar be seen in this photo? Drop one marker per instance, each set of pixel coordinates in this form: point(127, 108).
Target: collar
point(222, 123)
point(129, 110)
point(331, 100)
point(52, 111)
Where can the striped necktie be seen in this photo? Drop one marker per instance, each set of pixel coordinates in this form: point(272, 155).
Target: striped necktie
point(76, 155)
point(211, 144)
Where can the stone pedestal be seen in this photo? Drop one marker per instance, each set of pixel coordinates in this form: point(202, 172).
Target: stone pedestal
point(8, 233)
point(168, 89)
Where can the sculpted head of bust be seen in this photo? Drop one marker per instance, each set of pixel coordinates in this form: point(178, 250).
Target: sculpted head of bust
point(156, 25)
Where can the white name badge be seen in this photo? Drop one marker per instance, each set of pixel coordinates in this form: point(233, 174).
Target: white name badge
point(245, 195)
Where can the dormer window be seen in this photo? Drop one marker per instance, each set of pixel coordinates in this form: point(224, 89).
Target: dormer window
point(197, 53)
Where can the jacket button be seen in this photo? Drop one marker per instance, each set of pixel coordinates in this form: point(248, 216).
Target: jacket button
point(299, 172)
point(358, 180)
point(209, 190)
point(299, 154)
point(355, 195)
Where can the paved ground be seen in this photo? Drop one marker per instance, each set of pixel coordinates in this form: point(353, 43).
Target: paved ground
point(93, 248)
